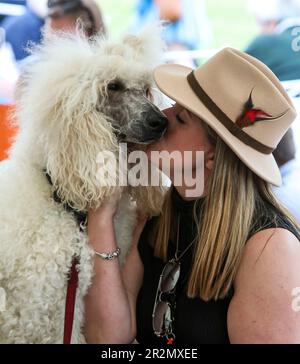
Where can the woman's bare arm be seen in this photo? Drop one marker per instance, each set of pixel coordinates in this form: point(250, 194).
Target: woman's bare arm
point(261, 310)
point(110, 302)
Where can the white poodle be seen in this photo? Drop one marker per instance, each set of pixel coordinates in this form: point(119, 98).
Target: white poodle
point(77, 99)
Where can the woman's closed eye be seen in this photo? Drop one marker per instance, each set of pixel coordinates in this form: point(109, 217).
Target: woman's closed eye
point(179, 119)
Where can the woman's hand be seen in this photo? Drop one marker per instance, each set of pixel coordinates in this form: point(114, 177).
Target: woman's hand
point(106, 211)
point(101, 220)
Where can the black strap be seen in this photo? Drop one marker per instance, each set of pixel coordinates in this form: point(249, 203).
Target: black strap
point(81, 217)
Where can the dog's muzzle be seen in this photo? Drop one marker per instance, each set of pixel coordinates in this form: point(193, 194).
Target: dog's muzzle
point(149, 128)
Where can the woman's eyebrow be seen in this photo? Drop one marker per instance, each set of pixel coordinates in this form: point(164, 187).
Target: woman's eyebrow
point(178, 107)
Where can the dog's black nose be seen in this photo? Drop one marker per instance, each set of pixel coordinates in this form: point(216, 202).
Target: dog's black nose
point(157, 123)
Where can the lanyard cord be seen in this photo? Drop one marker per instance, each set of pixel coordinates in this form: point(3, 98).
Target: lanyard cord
point(177, 259)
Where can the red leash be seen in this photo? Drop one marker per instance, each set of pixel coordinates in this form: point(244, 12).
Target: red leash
point(81, 218)
point(70, 302)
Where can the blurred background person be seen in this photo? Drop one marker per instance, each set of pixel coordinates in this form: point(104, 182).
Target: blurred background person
point(21, 30)
point(65, 14)
point(273, 46)
point(186, 24)
point(289, 192)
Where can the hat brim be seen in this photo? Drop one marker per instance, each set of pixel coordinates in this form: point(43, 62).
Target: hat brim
point(172, 81)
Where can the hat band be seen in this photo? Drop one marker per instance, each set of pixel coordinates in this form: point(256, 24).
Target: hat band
point(224, 119)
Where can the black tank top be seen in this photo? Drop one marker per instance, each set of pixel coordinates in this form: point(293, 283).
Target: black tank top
point(195, 320)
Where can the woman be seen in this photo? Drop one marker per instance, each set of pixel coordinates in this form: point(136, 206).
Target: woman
point(238, 249)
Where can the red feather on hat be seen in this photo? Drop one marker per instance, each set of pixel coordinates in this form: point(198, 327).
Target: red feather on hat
point(252, 115)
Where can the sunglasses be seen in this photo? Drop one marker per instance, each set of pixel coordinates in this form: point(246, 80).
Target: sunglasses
point(164, 306)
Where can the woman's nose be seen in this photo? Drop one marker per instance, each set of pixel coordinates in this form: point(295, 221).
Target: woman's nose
point(169, 112)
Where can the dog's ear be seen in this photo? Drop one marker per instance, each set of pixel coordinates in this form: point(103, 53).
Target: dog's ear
point(148, 46)
point(80, 157)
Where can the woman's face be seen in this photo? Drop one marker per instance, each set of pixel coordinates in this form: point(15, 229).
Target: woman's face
point(185, 133)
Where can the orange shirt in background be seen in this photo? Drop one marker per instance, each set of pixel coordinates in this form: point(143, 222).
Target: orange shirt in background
point(7, 131)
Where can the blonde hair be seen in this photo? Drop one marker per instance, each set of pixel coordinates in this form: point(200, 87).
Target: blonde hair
point(233, 208)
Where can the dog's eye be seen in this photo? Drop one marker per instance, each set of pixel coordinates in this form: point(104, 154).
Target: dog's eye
point(115, 86)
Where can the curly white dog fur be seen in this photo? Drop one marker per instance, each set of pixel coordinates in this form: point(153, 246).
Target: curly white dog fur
point(78, 98)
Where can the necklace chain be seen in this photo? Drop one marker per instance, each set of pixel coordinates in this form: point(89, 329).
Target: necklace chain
point(177, 245)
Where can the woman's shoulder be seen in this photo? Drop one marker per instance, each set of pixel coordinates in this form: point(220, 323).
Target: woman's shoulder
point(263, 289)
point(269, 217)
point(278, 240)
point(270, 254)
point(272, 227)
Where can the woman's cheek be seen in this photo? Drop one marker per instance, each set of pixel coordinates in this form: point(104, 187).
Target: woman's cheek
point(154, 147)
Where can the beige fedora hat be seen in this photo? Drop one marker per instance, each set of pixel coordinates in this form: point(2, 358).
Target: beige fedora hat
point(241, 99)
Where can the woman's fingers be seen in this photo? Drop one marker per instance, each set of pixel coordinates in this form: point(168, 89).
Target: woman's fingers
point(106, 210)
